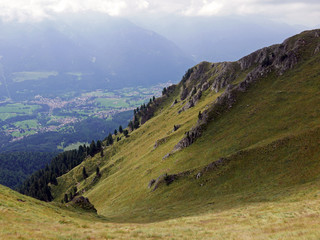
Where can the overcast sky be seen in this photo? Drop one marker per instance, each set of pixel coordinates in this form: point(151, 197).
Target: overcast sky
point(295, 12)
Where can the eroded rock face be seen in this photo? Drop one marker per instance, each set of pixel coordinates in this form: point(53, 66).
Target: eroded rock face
point(193, 100)
point(226, 73)
point(194, 79)
point(277, 58)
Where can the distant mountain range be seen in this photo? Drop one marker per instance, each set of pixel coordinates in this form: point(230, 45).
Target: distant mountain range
point(87, 51)
point(219, 38)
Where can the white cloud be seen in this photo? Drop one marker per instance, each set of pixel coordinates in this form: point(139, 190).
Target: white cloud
point(292, 11)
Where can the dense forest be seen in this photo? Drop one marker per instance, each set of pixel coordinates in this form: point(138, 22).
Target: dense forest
point(20, 159)
point(15, 167)
point(37, 184)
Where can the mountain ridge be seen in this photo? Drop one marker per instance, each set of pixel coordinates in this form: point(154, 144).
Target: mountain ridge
point(259, 60)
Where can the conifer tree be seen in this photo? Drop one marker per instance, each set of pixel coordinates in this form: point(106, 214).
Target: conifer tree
point(164, 91)
point(131, 126)
point(93, 148)
point(99, 145)
point(84, 173)
point(101, 153)
point(120, 129)
point(66, 198)
point(109, 139)
point(125, 132)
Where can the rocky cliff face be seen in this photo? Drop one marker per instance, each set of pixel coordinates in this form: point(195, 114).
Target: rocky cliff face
point(216, 76)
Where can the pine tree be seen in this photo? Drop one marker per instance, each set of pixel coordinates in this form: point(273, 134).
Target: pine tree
point(66, 198)
point(115, 132)
point(120, 129)
point(125, 132)
point(84, 173)
point(130, 125)
point(164, 91)
point(75, 191)
point(99, 145)
point(109, 139)
point(136, 123)
point(70, 196)
point(101, 153)
point(92, 149)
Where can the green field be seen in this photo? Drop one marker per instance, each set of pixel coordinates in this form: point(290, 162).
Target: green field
point(25, 76)
point(16, 109)
point(91, 105)
point(77, 74)
point(27, 124)
point(112, 103)
point(75, 146)
point(18, 134)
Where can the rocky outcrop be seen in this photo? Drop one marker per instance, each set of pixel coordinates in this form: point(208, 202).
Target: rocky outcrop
point(213, 166)
point(277, 58)
point(160, 142)
point(83, 203)
point(222, 103)
point(193, 99)
point(176, 127)
point(225, 73)
point(194, 79)
point(166, 179)
point(317, 50)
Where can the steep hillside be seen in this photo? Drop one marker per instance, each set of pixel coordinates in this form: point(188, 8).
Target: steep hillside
point(231, 152)
point(255, 140)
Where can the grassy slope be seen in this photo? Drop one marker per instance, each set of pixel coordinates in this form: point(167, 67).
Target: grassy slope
point(271, 135)
point(270, 187)
point(292, 218)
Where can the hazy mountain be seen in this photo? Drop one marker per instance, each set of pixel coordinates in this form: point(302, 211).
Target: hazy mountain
point(219, 38)
point(83, 51)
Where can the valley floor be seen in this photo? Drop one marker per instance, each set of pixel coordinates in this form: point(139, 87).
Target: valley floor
point(291, 218)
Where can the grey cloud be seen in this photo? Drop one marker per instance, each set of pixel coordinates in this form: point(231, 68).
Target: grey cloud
point(294, 11)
